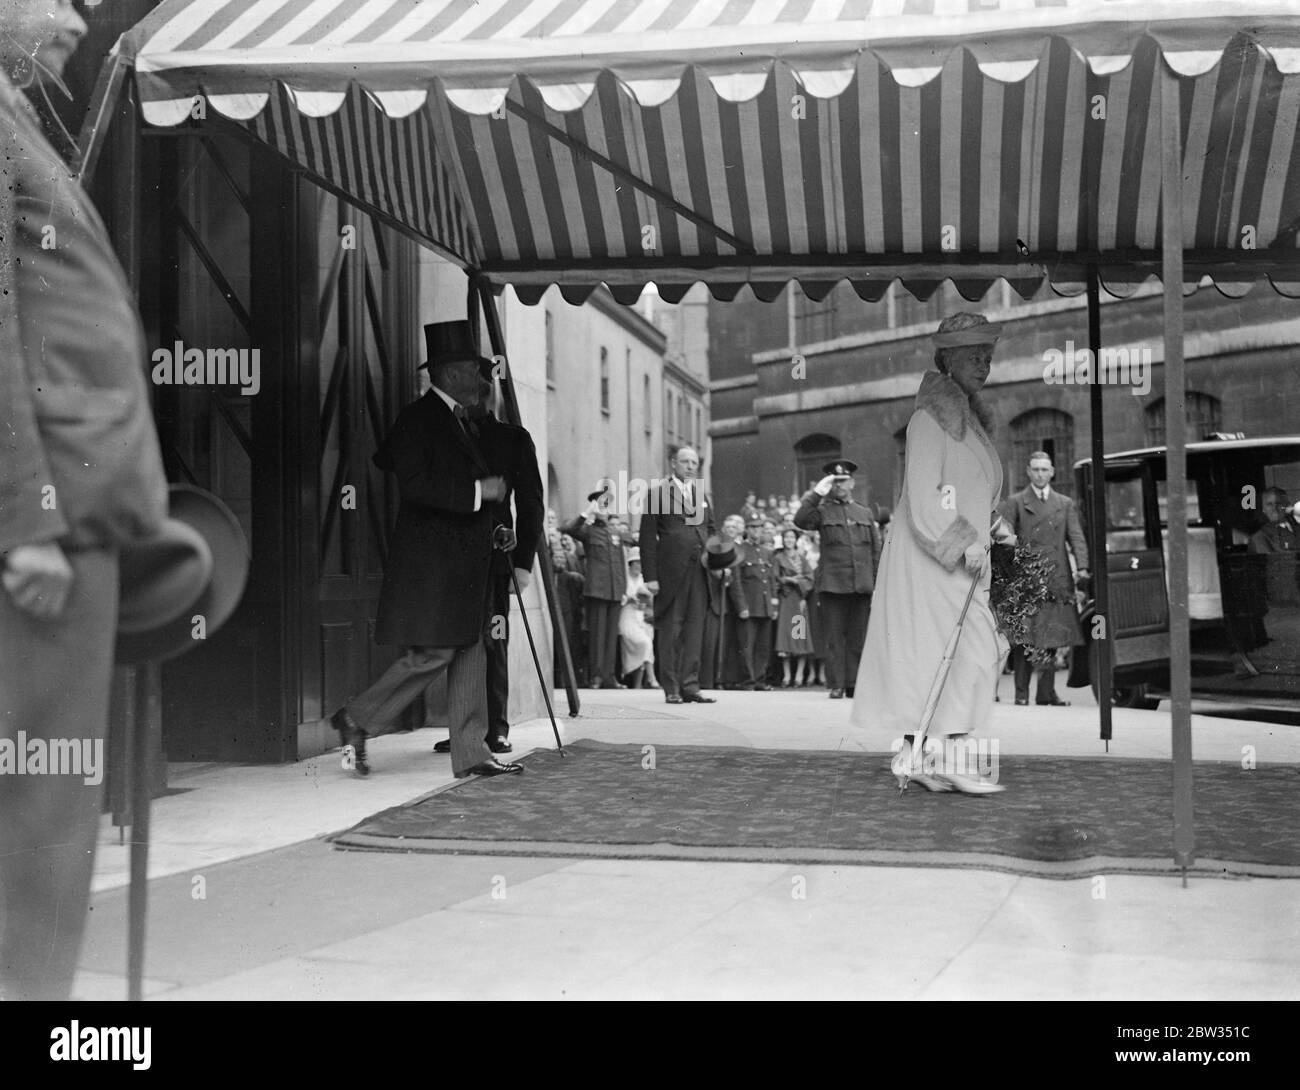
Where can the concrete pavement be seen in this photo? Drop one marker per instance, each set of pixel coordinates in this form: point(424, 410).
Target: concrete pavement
point(246, 900)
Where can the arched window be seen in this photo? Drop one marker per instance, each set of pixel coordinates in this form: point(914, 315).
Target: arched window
point(1048, 430)
point(1204, 415)
point(811, 453)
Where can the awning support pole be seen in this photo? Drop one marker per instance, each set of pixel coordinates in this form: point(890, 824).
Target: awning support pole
point(1097, 505)
point(480, 289)
point(99, 116)
point(1180, 678)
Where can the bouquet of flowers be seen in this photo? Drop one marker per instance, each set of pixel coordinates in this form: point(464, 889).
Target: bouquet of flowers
point(1019, 588)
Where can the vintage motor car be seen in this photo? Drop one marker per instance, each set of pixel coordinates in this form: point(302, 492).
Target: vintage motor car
point(1243, 529)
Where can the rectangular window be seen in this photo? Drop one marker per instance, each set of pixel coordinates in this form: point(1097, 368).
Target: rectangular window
point(604, 381)
point(645, 400)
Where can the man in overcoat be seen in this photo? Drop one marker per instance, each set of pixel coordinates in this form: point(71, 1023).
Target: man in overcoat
point(435, 598)
point(846, 575)
point(604, 588)
point(1043, 518)
point(80, 477)
point(673, 533)
point(511, 453)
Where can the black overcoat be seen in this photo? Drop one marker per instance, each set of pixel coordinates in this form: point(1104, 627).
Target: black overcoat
point(672, 540)
point(509, 452)
point(436, 580)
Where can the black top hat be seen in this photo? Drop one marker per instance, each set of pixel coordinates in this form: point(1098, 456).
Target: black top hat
point(719, 552)
point(599, 493)
point(196, 564)
point(841, 467)
point(448, 342)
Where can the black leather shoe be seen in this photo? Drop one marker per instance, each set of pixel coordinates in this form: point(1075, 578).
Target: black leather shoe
point(848, 692)
point(612, 684)
point(1022, 701)
point(442, 747)
point(1055, 702)
point(672, 698)
point(837, 694)
point(762, 688)
point(353, 740)
point(497, 744)
point(698, 698)
point(494, 768)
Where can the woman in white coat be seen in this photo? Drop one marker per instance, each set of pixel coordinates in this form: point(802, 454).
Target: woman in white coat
point(938, 542)
point(635, 633)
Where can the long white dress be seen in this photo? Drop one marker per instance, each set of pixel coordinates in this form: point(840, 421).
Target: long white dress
point(636, 636)
point(952, 482)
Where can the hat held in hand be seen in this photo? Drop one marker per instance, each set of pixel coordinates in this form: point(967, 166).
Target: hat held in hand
point(195, 565)
point(719, 553)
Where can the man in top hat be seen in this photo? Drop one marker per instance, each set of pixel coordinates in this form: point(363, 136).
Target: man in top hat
point(846, 575)
point(510, 452)
point(1043, 518)
point(80, 476)
point(435, 599)
point(605, 586)
point(673, 532)
point(758, 608)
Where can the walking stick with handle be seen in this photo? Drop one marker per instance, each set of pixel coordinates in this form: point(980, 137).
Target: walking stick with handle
point(546, 692)
point(940, 679)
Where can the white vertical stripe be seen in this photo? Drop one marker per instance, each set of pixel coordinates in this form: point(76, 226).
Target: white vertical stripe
point(832, 177)
point(1031, 121)
point(1112, 156)
point(497, 200)
point(1144, 228)
point(991, 165)
point(755, 183)
point(869, 154)
point(534, 197)
point(1198, 145)
point(1280, 162)
point(716, 169)
point(1076, 122)
point(884, 9)
point(186, 22)
point(950, 117)
point(566, 180)
point(606, 184)
point(909, 161)
point(648, 210)
point(679, 180)
point(790, 131)
point(824, 11)
point(1234, 222)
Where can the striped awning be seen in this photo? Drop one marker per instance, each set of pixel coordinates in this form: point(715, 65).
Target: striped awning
point(755, 141)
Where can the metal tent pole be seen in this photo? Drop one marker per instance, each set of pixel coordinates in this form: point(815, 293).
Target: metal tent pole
point(481, 290)
point(1100, 561)
point(1171, 181)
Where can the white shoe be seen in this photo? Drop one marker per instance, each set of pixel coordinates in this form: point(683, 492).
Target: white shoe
point(970, 785)
point(901, 767)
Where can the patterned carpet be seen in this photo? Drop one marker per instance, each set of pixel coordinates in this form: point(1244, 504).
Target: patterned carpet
point(1060, 817)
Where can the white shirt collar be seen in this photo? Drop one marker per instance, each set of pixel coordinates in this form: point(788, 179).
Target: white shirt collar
point(447, 399)
point(1042, 493)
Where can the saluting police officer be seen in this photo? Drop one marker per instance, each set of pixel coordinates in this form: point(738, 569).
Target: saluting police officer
point(846, 575)
point(758, 589)
point(604, 588)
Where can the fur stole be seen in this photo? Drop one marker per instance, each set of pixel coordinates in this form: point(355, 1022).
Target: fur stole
point(948, 403)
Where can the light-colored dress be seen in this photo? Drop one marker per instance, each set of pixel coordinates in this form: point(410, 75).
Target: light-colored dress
point(635, 634)
point(952, 482)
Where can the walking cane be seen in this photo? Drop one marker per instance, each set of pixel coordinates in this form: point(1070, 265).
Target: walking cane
point(940, 679)
point(546, 692)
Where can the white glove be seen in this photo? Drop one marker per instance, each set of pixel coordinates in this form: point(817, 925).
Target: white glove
point(823, 487)
point(976, 557)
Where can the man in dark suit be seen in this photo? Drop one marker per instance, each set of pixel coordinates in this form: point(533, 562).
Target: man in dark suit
point(1043, 518)
point(673, 533)
point(435, 597)
point(604, 586)
point(510, 452)
point(80, 477)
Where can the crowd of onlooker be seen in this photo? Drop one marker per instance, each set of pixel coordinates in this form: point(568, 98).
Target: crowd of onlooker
point(768, 524)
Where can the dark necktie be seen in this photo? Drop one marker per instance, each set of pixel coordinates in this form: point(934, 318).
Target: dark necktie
point(471, 429)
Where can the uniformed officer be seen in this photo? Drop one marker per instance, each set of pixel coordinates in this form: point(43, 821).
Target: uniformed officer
point(758, 589)
point(846, 575)
point(604, 587)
